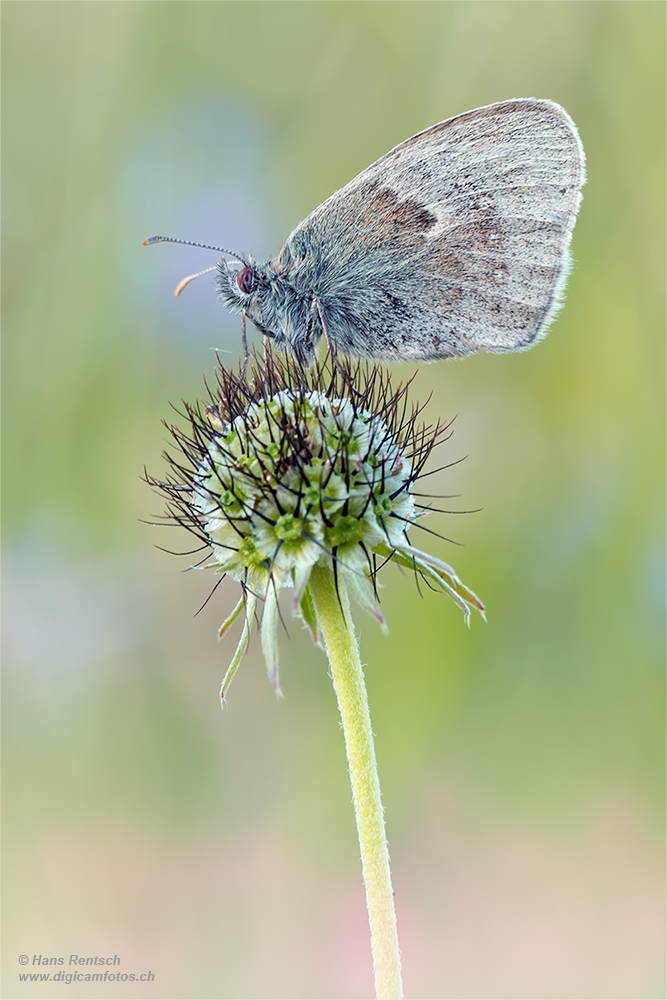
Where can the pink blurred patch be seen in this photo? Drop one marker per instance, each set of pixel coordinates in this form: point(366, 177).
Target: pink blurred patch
point(484, 910)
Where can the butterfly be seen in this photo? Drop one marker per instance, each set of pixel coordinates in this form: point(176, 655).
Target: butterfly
point(454, 242)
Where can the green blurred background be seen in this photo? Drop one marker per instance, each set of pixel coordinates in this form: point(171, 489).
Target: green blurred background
point(521, 761)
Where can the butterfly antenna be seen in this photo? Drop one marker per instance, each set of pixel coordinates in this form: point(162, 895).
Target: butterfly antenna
point(181, 285)
point(187, 243)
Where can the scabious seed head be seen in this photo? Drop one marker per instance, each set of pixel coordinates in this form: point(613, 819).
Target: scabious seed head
point(290, 469)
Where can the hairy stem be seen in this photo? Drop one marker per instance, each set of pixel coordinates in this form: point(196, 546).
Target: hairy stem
point(335, 622)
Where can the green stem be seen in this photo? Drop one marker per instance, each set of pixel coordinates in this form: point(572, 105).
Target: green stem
point(333, 614)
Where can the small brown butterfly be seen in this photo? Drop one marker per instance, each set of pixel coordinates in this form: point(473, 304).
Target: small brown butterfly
point(454, 242)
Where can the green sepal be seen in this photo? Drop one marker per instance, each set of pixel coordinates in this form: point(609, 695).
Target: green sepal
point(250, 602)
point(232, 618)
point(308, 615)
point(437, 572)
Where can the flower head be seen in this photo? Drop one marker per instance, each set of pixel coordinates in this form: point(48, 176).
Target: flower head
point(289, 469)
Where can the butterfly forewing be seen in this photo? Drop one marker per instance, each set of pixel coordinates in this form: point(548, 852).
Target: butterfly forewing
point(454, 242)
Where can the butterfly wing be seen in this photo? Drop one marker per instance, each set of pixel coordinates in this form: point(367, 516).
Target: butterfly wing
point(454, 242)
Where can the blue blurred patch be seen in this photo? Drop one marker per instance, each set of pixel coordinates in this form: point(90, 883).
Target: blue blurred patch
point(205, 173)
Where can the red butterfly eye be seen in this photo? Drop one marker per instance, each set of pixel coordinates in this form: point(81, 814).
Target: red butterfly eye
point(244, 280)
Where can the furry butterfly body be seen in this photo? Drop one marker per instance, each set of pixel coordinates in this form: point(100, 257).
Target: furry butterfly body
point(454, 242)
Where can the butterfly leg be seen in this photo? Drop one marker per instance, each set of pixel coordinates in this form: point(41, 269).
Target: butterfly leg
point(330, 343)
point(244, 342)
point(268, 363)
point(332, 350)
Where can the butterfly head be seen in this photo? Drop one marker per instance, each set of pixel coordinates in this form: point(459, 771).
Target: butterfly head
point(244, 287)
point(270, 301)
point(272, 295)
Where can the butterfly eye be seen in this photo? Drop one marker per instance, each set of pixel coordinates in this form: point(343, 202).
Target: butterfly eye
point(244, 279)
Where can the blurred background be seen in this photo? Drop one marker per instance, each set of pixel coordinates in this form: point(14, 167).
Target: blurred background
point(521, 761)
